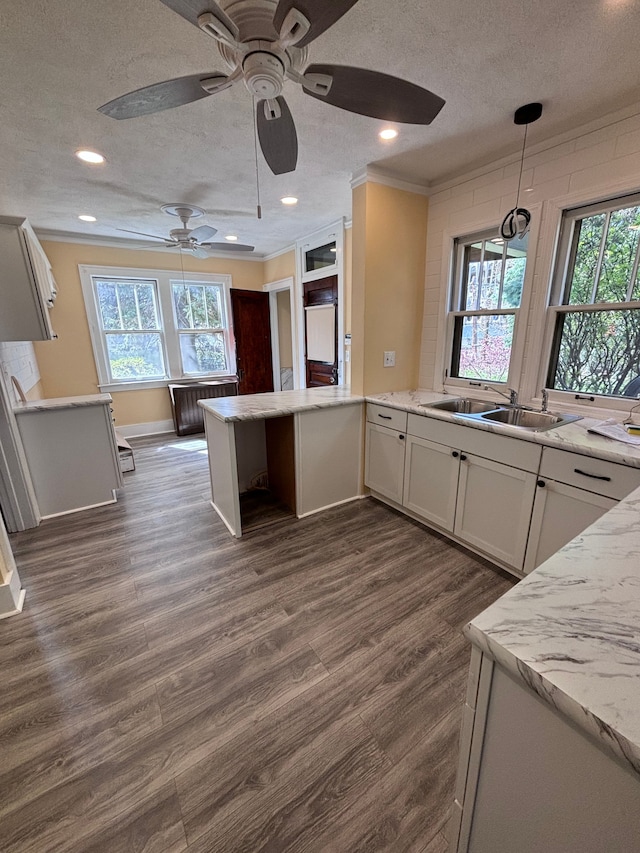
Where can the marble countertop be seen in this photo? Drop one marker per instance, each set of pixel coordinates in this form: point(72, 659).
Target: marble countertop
point(277, 403)
point(62, 403)
point(572, 436)
point(571, 631)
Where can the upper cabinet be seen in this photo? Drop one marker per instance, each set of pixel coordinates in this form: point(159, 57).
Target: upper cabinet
point(27, 286)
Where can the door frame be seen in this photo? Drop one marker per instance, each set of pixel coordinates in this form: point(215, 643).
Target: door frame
point(273, 288)
point(335, 231)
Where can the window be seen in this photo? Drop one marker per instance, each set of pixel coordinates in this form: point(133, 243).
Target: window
point(596, 301)
point(488, 279)
point(148, 326)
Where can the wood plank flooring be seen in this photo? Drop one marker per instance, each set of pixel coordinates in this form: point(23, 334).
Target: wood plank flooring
point(168, 688)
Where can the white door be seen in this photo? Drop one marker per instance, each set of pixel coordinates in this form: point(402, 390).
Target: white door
point(560, 512)
point(494, 506)
point(431, 481)
point(384, 461)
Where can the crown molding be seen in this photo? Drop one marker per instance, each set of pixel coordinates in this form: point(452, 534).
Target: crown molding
point(371, 175)
point(124, 243)
point(277, 254)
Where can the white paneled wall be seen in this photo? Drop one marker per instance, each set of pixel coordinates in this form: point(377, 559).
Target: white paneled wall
point(19, 360)
point(592, 163)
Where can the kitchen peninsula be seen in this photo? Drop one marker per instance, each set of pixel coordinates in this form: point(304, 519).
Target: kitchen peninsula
point(305, 446)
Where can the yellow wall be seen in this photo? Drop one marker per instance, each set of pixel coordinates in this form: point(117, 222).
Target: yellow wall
point(282, 266)
point(67, 367)
point(388, 250)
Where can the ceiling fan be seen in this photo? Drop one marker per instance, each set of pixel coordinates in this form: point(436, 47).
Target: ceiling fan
point(265, 42)
point(194, 240)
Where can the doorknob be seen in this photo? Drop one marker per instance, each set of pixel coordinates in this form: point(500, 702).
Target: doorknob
point(333, 380)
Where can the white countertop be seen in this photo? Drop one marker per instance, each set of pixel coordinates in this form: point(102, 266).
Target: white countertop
point(62, 403)
point(570, 631)
point(572, 436)
point(273, 404)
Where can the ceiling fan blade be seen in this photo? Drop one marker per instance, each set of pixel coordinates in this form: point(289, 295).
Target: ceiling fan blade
point(191, 10)
point(229, 247)
point(371, 93)
point(199, 252)
point(278, 137)
point(202, 232)
point(142, 234)
point(321, 14)
point(159, 96)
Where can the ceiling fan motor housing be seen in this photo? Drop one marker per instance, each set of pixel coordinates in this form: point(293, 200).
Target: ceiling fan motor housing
point(263, 74)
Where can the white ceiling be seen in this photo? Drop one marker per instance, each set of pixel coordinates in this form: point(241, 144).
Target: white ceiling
point(60, 60)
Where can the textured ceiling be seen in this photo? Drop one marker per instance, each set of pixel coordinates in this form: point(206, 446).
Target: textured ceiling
point(60, 60)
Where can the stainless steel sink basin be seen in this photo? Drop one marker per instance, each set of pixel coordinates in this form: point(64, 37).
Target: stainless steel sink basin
point(461, 405)
point(525, 419)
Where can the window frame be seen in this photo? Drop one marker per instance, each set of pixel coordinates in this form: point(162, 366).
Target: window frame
point(455, 244)
point(169, 328)
point(557, 296)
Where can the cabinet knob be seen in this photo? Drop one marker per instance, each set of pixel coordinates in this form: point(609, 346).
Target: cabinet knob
point(541, 484)
point(401, 437)
point(455, 454)
point(463, 458)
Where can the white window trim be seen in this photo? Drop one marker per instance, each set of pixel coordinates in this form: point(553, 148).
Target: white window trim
point(452, 385)
point(171, 345)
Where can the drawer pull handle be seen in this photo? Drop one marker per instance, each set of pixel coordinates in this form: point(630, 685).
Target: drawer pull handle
point(455, 454)
point(593, 476)
point(541, 484)
point(463, 458)
point(386, 417)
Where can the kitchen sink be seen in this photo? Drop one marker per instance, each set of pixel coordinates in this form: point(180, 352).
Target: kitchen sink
point(461, 405)
point(526, 419)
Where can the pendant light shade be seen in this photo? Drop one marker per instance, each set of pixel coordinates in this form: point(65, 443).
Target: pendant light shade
point(516, 222)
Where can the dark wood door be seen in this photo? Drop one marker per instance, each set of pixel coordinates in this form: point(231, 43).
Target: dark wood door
point(252, 331)
point(321, 331)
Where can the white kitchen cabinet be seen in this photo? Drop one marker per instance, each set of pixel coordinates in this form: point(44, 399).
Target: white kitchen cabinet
point(560, 512)
point(71, 452)
point(27, 287)
point(384, 461)
point(431, 481)
point(494, 507)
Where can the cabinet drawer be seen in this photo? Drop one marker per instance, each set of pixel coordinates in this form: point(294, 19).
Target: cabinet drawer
point(385, 416)
point(595, 475)
point(501, 448)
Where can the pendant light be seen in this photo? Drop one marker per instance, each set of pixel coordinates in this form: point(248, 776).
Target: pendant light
point(516, 222)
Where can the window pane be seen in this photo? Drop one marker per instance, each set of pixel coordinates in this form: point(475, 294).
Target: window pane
point(587, 254)
point(491, 282)
point(136, 356)
point(598, 352)
point(472, 257)
point(619, 255)
point(203, 353)
point(514, 270)
point(127, 305)
point(108, 303)
point(198, 306)
point(322, 256)
point(484, 347)
point(147, 306)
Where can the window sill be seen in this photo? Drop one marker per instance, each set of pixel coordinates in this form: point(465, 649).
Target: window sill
point(144, 384)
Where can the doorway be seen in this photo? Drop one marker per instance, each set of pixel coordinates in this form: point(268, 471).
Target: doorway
point(252, 331)
point(284, 334)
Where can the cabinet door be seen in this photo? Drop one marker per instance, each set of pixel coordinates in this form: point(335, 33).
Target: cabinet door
point(384, 461)
point(560, 512)
point(431, 481)
point(494, 507)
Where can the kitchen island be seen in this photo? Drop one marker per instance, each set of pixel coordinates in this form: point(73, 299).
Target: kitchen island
point(287, 451)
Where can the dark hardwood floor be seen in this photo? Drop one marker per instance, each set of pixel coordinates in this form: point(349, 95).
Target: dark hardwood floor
point(169, 688)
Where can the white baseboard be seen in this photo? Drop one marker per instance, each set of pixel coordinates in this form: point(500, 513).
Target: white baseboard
point(150, 428)
point(113, 500)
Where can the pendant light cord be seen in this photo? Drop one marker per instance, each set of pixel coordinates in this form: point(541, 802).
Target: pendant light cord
point(255, 149)
point(524, 145)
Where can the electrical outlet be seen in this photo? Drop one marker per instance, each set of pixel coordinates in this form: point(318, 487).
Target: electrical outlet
point(389, 358)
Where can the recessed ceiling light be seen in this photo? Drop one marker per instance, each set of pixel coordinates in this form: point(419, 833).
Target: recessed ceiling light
point(87, 218)
point(529, 190)
point(89, 156)
point(231, 237)
point(388, 133)
point(289, 199)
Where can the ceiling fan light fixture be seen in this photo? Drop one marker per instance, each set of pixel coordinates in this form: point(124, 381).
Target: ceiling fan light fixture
point(88, 156)
point(86, 217)
point(388, 133)
point(289, 199)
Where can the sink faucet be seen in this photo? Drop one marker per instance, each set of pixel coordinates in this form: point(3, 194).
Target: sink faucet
point(512, 396)
point(545, 400)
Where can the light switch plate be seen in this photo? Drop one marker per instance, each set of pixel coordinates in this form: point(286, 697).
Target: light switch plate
point(389, 358)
